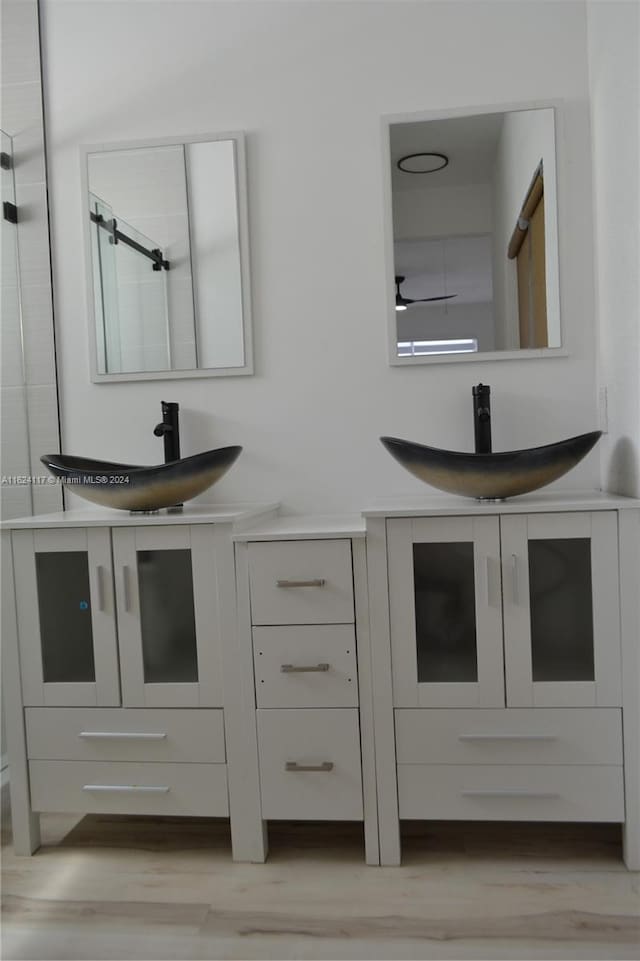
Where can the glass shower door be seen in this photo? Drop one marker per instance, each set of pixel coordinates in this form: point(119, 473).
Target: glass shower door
point(130, 296)
point(16, 492)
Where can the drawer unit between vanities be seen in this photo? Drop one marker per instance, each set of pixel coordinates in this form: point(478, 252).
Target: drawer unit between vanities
point(109, 787)
point(305, 666)
point(310, 765)
point(509, 736)
point(504, 792)
point(125, 734)
point(301, 582)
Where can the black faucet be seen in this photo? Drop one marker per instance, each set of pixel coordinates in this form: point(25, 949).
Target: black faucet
point(482, 418)
point(169, 431)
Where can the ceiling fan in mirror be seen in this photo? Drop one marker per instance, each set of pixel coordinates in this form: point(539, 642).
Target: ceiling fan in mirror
point(403, 302)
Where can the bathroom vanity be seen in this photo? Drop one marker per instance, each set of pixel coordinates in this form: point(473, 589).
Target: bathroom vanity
point(505, 644)
point(438, 658)
point(120, 671)
point(303, 633)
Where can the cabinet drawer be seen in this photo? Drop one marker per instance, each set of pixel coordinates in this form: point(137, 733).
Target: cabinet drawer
point(308, 666)
point(124, 734)
point(310, 764)
point(505, 793)
point(129, 788)
point(509, 736)
point(301, 582)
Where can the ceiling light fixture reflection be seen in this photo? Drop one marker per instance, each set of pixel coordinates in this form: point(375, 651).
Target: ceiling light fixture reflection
point(422, 163)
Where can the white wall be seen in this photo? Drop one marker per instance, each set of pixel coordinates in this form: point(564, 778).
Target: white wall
point(215, 251)
point(614, 73)
point(442, 211)
point(309, 82)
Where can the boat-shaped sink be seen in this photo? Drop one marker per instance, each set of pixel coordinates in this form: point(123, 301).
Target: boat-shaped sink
point(491, 476)
point(135, 488)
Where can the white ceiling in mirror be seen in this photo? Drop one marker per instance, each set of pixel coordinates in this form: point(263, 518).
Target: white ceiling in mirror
point(452, 236)
point(167, 258)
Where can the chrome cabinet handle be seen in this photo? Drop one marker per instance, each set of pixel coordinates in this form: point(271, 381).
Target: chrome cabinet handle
point(313, 582)
point(514, 579)
point(123, 735)
point(301, 669)
point(507, 737)
point(294, 766)
point(126, 589)
point(509, 792)
point(127, 788)
point(100, 586)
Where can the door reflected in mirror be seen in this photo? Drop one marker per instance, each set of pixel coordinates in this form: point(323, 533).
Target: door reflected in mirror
point(168, 275)
point(475, 237)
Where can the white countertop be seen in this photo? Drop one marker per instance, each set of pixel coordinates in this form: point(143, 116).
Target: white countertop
point(261, 521)
point(536, 502)
point(236, 514)
point(303, 527)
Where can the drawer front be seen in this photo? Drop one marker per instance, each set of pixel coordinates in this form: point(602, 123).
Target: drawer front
point(509, 736)
point(301, 582)
point(503, 793)
point(310, 764)
point(123, 734)
point(307, 666)
point(105, 787)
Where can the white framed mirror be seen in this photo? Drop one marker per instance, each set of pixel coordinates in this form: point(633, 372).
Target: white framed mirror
point(167, 256)
point(472, 236)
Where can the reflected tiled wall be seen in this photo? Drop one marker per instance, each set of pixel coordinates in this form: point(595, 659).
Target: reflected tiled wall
point(28, 390)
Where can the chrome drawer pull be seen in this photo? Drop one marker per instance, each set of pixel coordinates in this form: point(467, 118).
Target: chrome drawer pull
point(514, 579)
point(299, 669)
point(507, 737)
point(294, 766)
point(100, 586)
point(126, 590)
point(127, 788)
point(314, 582)
point(123, 735)
point(511, 792)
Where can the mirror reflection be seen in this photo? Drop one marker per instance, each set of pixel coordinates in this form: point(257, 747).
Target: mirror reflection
point(168, 259)
point(475, 243)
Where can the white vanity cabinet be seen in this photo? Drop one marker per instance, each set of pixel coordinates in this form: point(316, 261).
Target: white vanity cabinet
point(141, 630)
point(65, 606)
point(117, 633)
point(520, 610)
point(304, 602)
point(499, 653)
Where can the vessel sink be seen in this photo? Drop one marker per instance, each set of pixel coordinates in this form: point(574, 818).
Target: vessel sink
point(491, 476)
point(135, 488)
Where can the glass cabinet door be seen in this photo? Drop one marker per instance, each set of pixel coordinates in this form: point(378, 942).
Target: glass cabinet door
point(66, 617)
point(446, 625)
point(167, 615)
point(562, 638)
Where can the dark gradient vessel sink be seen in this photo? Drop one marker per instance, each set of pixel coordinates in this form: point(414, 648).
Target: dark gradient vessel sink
point(491, 476)
point(135, 488)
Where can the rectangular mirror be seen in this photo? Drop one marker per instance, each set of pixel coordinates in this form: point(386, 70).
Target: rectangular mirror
point(167, 258)
point(474, 237)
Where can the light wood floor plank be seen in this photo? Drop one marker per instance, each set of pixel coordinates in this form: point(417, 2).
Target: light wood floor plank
point(155, 888)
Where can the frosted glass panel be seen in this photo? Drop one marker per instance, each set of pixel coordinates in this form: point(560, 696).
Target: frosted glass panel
point(561, 609)
point(167, 616)
point(64, 605)
point(445, 606)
